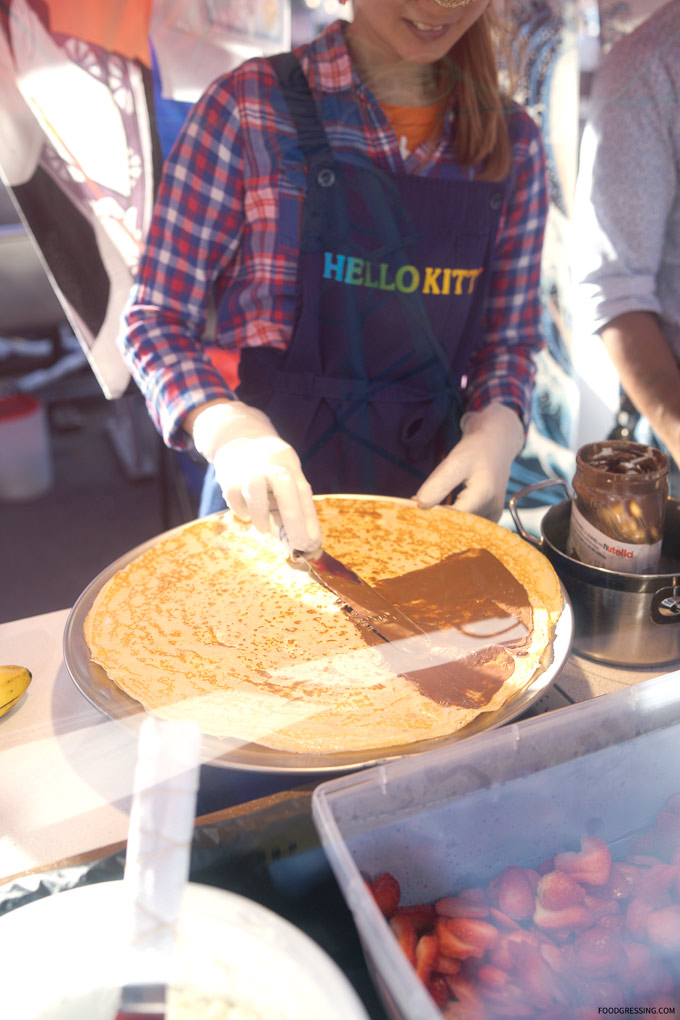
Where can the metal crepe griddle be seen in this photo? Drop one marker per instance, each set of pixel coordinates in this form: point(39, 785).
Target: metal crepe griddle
point(104, 695)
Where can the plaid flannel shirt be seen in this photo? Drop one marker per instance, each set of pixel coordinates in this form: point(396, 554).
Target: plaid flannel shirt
point(225, 234)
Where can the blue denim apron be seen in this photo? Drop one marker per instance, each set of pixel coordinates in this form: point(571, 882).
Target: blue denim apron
point(392, 282)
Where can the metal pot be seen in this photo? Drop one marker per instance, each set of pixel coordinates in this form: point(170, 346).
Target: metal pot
point(619, 618)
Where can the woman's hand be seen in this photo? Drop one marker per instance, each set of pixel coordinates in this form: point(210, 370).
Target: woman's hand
point(256, 469)
point(480, 461)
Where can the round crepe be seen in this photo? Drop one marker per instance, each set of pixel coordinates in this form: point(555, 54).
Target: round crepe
point(213, 623)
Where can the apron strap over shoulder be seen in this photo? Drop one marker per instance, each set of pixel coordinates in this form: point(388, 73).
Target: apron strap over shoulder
point(312, 136)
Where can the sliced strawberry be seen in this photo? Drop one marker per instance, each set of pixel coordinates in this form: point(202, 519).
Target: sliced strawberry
point(656, 884)
point(601, 906)
point(492, 977)
point(446, 965)
point(554, 956)
point(637, 913)
point(468, 903)
point(421, 915)
point(506, 1001)
point(515, 894)
point(568, 919)
point(598, 952)
point(502, 920)
point(463, 937)
point(501, 955)
point(386, 893)
point(406, 936)
point(426, 953)
point(663, 928)
point(623, 879)
point(536, 978)
point(466, 992)
point(439, 990)
point(590, 865)
point(557, 890)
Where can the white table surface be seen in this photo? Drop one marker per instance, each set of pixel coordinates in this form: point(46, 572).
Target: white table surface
point(66, 771)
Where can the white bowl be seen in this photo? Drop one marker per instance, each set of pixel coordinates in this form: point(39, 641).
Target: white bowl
point(62, 958)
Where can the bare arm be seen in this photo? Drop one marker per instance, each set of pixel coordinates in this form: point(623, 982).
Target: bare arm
point(649, 372)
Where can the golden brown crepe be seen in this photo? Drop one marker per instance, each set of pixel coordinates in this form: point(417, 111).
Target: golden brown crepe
point(213, 623)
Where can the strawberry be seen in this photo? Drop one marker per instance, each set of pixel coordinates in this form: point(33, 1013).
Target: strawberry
point(501, 954)
point(492, 977)
point(537, 980)
point(598, 952)
point(386, 893)
point(622, 881)
point(446, 965)
point(638, 911)
point(554, 956)
point(467, 994)
point(502, 920)
point(663, 928)
point(463, 937)
point(426, 953)
point(557, 890)
point(421, 915)
point(567, 919)
point(439, 990)
point(656, 884)
point(515, 894)
point(590, 865)
point(468, 903)
point(405, 934)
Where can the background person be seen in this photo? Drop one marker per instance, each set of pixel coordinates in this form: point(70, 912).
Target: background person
point(366, 218)
point(627, 220)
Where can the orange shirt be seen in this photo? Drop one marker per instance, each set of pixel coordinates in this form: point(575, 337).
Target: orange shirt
point(415, 124)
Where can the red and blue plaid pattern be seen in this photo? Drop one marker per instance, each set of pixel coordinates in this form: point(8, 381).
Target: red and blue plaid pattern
point(225, 235)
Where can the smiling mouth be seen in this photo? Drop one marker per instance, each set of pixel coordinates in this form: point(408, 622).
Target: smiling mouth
point(433, 29)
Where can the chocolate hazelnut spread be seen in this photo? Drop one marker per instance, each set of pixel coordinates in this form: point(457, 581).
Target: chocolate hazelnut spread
point(617, 515)
point(464, 590)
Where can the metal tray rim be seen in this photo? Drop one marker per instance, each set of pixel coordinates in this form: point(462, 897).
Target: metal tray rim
point(104, 695)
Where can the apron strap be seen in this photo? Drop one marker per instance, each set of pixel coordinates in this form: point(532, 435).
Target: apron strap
point(311, 133)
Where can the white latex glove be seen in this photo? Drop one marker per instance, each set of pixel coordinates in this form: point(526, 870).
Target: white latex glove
point(481, 461)
point(255, 468)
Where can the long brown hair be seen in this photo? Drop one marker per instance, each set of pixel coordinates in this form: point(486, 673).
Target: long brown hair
point(482, 137)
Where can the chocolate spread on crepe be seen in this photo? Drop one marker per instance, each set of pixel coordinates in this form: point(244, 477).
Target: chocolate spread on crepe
point(456, 593)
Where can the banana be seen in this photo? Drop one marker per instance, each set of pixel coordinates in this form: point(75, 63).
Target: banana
point(13, 683)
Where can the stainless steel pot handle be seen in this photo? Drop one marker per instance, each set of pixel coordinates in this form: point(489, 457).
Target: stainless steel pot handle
point(546, 483)
point(665, 607)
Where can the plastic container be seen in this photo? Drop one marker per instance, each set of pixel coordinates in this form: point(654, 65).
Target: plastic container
point(454, 818)
point(620, 494)
point(25, 454)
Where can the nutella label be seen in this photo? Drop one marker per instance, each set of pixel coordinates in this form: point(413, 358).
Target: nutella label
point(592, 546)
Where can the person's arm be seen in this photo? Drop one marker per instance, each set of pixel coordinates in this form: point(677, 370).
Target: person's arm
point(189, 249)
point(649, 372)
point(501, 372)
point(194, 239)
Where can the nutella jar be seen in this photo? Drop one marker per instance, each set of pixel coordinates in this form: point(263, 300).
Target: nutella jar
point(617, 514)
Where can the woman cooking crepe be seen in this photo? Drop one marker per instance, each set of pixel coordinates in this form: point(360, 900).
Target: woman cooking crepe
point(366, 217)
